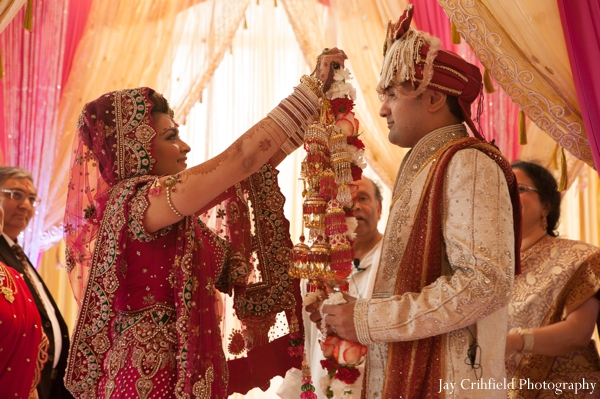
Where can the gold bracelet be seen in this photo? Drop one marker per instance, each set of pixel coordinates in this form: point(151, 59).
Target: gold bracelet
point(314, 84)
point(168, 184)
point(527, 335)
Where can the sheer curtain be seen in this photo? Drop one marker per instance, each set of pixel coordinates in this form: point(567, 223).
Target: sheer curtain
point(258, 70)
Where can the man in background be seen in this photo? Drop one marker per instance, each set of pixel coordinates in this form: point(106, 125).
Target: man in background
point(368, 203)
point(19, 202)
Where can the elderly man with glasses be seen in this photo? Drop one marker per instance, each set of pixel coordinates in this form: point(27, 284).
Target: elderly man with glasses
point(19, 202)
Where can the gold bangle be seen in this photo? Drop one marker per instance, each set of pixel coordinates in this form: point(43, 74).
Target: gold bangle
point(527, 335)
point(169, 183)
point(314, 84)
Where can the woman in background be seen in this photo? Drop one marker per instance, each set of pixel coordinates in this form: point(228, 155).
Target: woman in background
point(554, 306)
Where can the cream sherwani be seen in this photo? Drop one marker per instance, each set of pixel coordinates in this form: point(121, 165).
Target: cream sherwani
point(470, 299)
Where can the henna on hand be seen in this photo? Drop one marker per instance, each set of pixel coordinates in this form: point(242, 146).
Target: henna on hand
point(267, 126)
point(329, 61)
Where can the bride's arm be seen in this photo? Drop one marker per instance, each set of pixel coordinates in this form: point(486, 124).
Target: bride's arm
point(281, 131)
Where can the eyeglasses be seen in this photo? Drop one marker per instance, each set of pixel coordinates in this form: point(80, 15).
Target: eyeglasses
point(525, 188)
point(20, 196)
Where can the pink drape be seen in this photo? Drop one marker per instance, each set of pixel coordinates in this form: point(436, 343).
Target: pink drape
point(36, 65)
point(581, 28)
point(499, 118)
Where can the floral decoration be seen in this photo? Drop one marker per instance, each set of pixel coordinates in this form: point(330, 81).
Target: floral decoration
point(334, 160)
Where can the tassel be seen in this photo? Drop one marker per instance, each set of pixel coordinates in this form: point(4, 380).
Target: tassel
point(522, 128)
point(562, 183)
point(245, 23)
point(1, 66)
point(454, 33)
point(28, 20)
point(275, 4)
point(344, 196)
point(327, 186)
point(487, 81)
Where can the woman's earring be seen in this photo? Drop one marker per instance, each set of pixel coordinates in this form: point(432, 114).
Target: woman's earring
point(544, 222)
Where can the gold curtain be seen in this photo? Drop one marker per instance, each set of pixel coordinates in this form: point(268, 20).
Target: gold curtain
point(521, 43)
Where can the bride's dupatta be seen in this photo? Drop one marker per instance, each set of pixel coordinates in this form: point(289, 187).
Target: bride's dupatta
point(250, 215)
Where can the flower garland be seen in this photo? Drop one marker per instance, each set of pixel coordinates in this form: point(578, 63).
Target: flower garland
point(334, 160)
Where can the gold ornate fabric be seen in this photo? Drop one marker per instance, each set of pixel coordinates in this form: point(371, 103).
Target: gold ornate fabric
point(557, 276)
point(536, 74)
point(477, 270)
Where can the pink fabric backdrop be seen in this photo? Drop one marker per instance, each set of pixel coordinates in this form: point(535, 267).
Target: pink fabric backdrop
point(499, 118)
point(36, 66)
point(581, 27)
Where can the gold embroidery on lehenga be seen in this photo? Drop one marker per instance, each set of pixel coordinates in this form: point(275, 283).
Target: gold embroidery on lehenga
point(201, 388)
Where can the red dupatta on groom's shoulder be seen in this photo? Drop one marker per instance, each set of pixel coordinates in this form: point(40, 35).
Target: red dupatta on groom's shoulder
point(414, 368)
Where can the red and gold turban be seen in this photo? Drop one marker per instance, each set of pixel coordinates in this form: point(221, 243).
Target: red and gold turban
point(416, 56)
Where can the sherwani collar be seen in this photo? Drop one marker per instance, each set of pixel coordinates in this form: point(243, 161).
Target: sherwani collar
point(420, 154)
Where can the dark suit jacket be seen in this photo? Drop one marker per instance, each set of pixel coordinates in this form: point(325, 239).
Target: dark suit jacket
point(51, 384)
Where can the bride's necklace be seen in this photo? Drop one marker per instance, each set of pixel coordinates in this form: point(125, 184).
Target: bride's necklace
point(8, 288)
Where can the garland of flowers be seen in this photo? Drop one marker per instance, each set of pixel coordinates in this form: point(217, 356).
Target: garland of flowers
point(334, 160)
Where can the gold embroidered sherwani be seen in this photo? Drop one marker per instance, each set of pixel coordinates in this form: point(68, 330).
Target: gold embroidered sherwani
point(470, 298)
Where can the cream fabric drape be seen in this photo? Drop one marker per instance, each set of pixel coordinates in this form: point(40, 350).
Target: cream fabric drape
point(208, 31)
point(522, 45)
point(8, 10)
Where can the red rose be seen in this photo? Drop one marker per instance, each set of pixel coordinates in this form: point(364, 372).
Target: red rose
point(347, 374)
point(328, 364)
point(356, 172)
point(355, 141)
point(341, 105)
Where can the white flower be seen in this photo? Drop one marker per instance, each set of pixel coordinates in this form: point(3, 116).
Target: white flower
point(340, 87)
point(335, 298)
point(349, 394)
point(324, 383)
point(341, 90)
point(352, 224)
point(338, 387)
point(312, 297)
point(357, 156)
point(342, 74)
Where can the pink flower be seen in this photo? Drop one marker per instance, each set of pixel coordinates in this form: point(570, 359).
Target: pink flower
point(328, 346)
point(350, 353)
point(347, 123)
